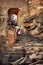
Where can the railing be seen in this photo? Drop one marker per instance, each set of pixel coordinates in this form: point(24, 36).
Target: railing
point(17, 61)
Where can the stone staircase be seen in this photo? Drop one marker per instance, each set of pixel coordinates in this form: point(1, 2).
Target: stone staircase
point(24, 41)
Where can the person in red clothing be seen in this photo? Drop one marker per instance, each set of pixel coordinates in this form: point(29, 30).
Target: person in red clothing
point(19, 32)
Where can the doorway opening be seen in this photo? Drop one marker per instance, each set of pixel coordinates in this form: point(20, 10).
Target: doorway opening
point(14, 16)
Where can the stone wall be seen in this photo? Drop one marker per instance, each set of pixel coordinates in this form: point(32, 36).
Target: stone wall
point(5, 5)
